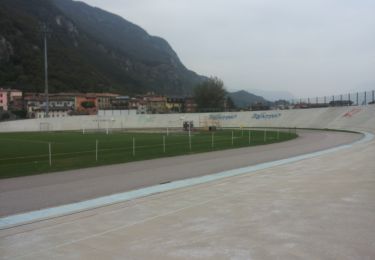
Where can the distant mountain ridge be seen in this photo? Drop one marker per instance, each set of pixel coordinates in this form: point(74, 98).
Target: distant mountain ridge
point(243, 99)
point(273, 95)
point(89, 50)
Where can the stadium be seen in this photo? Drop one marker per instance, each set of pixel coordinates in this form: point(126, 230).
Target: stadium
point(310, 184)
point(187, 129)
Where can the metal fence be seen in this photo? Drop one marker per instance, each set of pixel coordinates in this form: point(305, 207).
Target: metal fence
point(349, 99)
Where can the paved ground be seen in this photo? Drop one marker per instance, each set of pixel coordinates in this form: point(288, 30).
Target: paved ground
point(319, 208)
point(36, 192)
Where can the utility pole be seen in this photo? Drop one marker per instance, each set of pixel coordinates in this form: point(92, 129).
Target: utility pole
point(45, 32)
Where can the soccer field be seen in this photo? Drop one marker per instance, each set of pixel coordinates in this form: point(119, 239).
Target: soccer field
point(33, 153)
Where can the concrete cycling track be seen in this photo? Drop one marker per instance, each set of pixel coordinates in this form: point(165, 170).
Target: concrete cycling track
point(30, 193)
point(318, 208)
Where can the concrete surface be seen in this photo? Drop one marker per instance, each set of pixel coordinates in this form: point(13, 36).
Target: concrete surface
point(332, 117)
point(320, 208)
point(30, 193)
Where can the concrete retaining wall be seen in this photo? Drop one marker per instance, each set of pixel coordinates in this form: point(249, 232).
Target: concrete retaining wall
point(336, 118)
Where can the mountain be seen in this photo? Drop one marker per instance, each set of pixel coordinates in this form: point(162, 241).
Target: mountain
point(243, 99)
point(89, 50)
point(273, 95)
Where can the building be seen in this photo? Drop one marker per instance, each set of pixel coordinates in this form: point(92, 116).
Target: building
point(59, 106)
point(105, 100)
point(156, 104)
point(74, 103)
point(175, 104)
point(120, 102)
point(53, 112)
point(86, 104)
point(138, 104)
point(142, 107)
point(134, 103)
point(8, 97)
point(3, 100)
point(281, 104)
point(17, 104)
point(190, 106)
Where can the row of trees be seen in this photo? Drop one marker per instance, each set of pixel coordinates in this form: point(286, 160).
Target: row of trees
point(211, 95)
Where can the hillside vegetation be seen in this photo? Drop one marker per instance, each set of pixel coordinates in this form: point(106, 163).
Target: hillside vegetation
point(89, 50)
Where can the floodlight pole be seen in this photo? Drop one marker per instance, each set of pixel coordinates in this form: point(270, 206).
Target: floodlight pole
point(44, 29)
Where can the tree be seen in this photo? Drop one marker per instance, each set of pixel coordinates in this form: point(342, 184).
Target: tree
point(230, 104)
point(210, 95)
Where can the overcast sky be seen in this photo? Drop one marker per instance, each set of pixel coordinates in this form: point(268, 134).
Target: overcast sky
point(307, 47)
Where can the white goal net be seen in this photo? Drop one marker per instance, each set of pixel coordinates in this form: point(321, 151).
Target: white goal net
point(44, 127)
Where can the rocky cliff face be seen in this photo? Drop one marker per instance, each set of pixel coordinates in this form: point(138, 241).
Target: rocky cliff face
point(89, 50)
point(6, 50)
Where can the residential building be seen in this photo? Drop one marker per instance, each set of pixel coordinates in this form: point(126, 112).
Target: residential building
point(53, 112)
point(77, 103)
point(190, 106)
point(17, 104)
point(59, 106)
point(7, 98)
point(142, 107)
point(156, 104)
point(3, 100)
point(175, 104)
point(120, 102)
point(134, 103)
point(86, 104)
point(138, 104)
point(105, 100)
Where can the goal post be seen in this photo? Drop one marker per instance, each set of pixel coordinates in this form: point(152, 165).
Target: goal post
point(44, 127)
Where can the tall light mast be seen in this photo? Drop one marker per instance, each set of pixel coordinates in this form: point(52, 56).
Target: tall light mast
point(45, 32)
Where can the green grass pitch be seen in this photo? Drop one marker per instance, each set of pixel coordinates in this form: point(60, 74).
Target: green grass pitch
point(24, 154)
